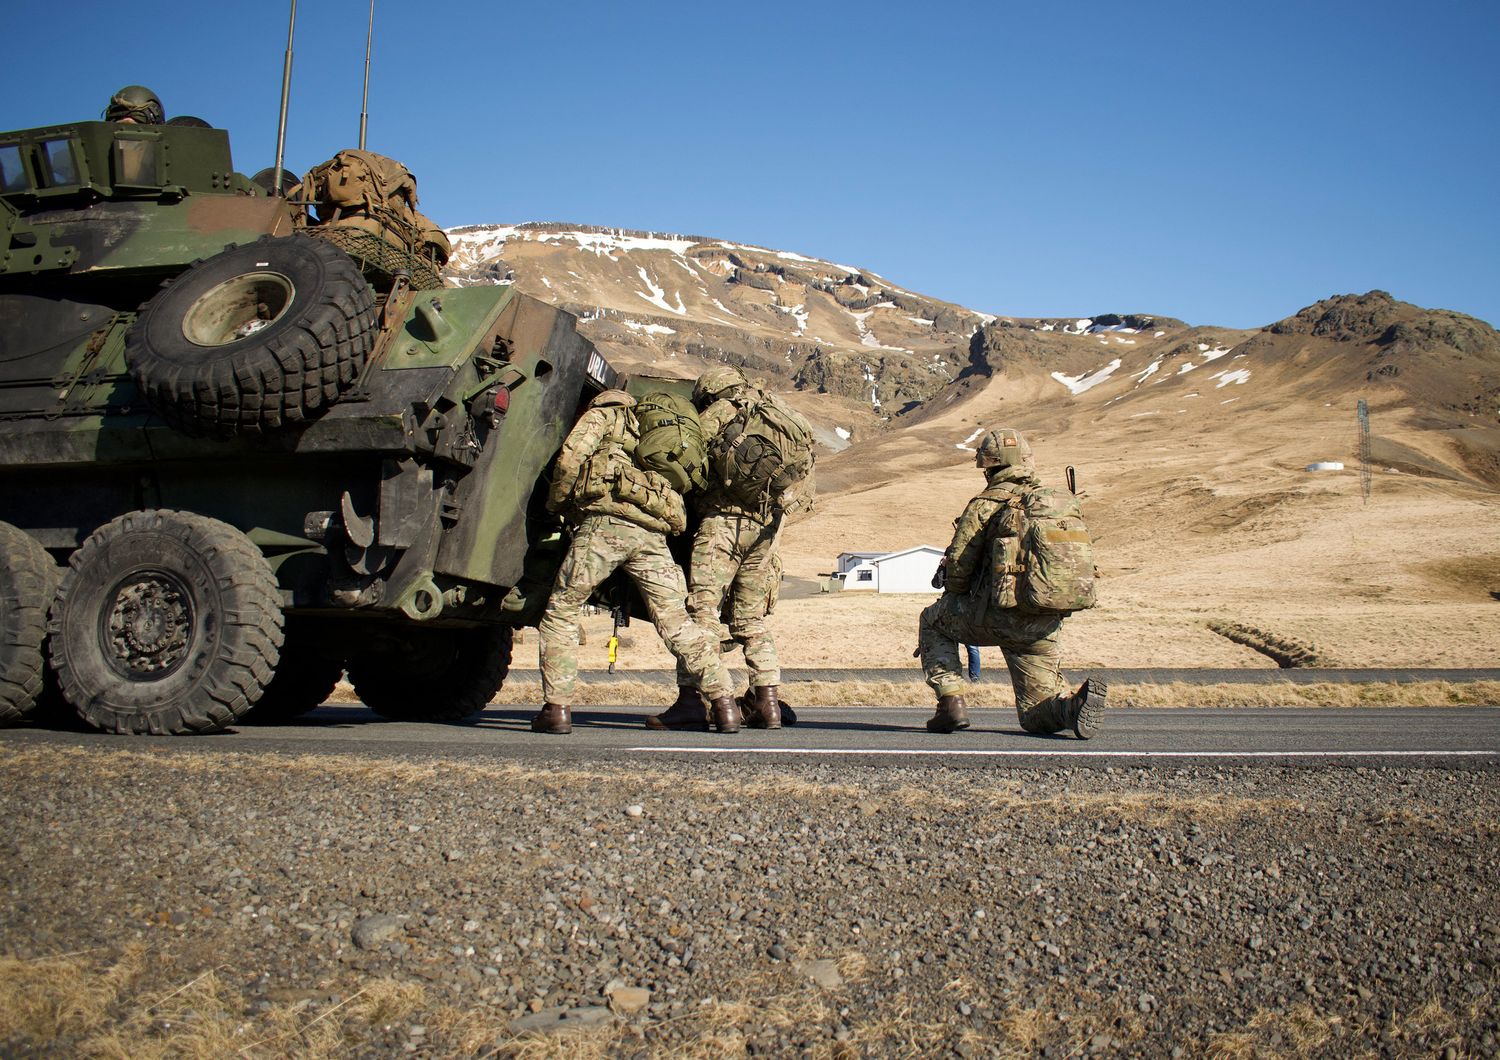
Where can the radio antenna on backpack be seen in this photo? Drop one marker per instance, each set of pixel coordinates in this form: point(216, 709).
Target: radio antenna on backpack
point(364, 102)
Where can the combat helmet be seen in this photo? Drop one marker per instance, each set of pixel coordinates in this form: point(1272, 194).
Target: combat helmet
point(1002, 447)
point(135, 103)
point(714, 382)
point(612, 399)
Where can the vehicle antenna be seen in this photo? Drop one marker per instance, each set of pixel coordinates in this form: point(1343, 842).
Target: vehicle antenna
point(286, 91)
point(364, 103)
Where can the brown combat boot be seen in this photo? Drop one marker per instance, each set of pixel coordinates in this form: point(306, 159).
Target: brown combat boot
point(688, 712)
point(726, 713)
point(1086, 709)
point(765, 711)
point(553, 718)
point(951, 715)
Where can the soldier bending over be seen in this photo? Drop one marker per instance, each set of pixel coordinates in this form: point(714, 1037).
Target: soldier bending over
point(735, 558)
point(622, 515)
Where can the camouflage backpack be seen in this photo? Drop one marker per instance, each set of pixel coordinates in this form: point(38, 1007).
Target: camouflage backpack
point(1043, 557)
point(762, 452)
point(671, 441)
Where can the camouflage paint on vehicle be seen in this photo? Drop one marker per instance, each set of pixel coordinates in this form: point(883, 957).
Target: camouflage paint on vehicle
point(415, 496)
point(81, 199)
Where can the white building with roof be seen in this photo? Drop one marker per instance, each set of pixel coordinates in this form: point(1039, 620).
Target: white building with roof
point(907, 571)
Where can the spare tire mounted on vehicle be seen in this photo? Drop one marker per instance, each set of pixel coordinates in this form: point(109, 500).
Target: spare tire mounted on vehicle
point(257, 337)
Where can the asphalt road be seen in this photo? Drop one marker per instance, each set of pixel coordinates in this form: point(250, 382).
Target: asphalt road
point(1446, 738)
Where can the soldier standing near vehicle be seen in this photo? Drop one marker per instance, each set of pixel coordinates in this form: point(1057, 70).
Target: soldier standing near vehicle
point(135, 105)
point(622, 515)
point(980, 605)
point(735, 558)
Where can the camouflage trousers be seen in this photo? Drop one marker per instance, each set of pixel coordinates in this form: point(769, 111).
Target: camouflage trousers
point(601, 545)
point(1029, 643)
point(735, 558)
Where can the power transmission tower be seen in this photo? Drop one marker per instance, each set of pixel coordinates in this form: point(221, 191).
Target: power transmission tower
point(1363, 412)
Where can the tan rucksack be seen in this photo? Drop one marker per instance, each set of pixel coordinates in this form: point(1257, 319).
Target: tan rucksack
point(1041, 555)
point(360, 193)
point(610, 483)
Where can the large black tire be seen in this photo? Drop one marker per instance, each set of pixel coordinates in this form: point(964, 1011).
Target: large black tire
point(305, 677)
point(434, 674)
point(257, 337)
point(166, 622)
point(28, 578)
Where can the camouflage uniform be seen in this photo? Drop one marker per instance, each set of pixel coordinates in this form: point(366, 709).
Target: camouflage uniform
point(735, 557)
point(607, 538)
point(966, 613)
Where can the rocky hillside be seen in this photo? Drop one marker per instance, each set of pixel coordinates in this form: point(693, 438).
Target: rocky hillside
point(1436, 371)
point(861, 353)
point(676, 302)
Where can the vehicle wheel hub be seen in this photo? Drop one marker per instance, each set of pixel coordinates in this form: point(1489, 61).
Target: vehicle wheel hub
point(238, 309)
point(148, 626)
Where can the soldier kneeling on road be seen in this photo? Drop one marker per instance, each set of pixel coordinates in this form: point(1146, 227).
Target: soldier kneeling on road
point(1020, 562)
point(621, 515)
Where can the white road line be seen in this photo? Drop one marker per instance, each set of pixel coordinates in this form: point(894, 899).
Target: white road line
point(935, 752)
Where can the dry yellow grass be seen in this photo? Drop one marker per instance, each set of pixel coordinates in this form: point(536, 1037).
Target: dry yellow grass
point(1023, 1027)
point(1325, 694)
point(910, 691)
point(49, 997)
point(588, 1043)
point(1424, 1026)
point(1300, 1031)
point(117, 1009)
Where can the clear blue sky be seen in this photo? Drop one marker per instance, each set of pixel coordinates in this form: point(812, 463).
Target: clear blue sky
point(1223, 163)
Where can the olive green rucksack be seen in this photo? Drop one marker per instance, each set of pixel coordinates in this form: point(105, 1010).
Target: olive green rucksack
point(1043, 561)
point(671, 441)
point(762, 452)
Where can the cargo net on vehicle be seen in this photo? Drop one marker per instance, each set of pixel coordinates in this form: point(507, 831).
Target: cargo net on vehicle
point(366, 205)
point(378, 259)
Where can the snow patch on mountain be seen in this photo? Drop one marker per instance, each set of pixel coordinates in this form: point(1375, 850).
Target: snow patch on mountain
point(966, 443)
point(649, 329)
point(1077, 384)
point(658, 296)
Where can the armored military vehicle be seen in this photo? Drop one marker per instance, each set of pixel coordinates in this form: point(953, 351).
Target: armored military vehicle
point(246, 444)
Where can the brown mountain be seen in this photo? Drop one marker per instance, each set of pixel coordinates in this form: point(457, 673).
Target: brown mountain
point(672, 303)
point(1193, 444)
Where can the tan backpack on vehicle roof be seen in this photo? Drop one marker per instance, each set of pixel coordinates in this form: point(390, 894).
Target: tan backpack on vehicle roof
point(371, 193)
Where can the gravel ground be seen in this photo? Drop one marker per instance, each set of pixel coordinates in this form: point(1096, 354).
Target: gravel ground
point(187, 901)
